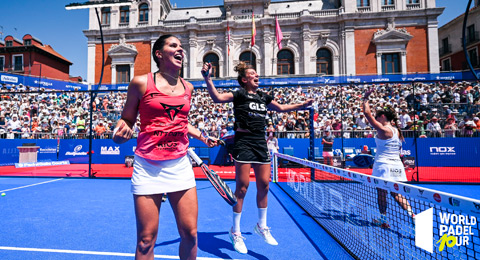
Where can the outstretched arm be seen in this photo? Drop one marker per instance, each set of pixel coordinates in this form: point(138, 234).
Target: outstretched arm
point(382, 130)
point(217, 97)
point(274, 105)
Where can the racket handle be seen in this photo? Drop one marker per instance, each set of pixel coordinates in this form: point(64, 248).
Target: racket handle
point(194, 156)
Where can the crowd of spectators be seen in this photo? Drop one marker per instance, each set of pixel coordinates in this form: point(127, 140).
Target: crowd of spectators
point(425, 110)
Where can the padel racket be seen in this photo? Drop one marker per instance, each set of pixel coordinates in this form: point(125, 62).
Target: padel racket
point(221, 187)
point(364, 160)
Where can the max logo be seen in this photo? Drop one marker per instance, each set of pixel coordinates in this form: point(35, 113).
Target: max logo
point(172, 111)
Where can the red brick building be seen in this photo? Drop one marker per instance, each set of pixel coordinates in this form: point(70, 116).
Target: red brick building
point(31, 57)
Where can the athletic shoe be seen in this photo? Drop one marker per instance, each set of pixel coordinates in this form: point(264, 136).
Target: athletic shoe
point(237, 242)
point(266, 235)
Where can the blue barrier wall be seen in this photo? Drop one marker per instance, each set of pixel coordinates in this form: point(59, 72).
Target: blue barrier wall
point(450, 152)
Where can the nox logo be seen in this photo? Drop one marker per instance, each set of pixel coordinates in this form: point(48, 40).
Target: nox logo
point(442, 150)
point(172, 111)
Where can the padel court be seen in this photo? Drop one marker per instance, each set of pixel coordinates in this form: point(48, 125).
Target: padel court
point(79, 218)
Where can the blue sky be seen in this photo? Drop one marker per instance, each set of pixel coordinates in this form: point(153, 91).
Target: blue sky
point(63, 30)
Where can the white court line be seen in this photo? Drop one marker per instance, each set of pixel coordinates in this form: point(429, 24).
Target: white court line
point(31, 185)
point(81, 252)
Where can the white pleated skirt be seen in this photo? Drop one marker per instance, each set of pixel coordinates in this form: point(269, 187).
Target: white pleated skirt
point(394, 171)
point(157, 177)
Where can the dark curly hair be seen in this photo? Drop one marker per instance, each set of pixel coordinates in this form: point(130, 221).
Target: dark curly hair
point(241, 69)
point(391, 116)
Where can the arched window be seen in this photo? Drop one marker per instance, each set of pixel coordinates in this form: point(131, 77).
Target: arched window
point(324, 62)
point(105, 16)
point(124, 14)
point(249, 58)
point(143, 13)
point(213, 59)
point(285, 64)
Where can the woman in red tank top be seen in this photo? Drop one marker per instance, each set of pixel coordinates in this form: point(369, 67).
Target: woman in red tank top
point(162, 100)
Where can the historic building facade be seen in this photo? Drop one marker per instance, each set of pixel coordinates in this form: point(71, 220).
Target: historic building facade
point(452, 57)
point(320, 37)
point(29, 56)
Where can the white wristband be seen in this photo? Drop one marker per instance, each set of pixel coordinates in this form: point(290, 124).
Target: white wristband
point(115, 130)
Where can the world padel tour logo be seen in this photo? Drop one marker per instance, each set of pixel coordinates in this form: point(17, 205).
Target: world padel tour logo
point(454, 230)
point(76, 151)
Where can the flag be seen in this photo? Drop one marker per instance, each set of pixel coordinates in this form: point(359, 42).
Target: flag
point(254, 29)
point(228, 39)
point(278, 34)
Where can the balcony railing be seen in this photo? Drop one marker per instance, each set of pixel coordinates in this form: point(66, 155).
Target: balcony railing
point(364, 9)
point(288, 15)
point(324, 13)
point(123, 25)
point(142, 24)
point(413, 6)
point(175, 23)
point(446, 50)
point(388, 8)
point(472, 38)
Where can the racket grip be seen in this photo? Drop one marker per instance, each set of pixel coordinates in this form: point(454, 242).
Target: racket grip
point(194, 156)
point(204, 73)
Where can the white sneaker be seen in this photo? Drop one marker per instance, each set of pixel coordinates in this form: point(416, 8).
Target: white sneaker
point(237, 242)
point(266, 235)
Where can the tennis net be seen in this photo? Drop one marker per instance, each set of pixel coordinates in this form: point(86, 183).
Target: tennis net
point(346, 204)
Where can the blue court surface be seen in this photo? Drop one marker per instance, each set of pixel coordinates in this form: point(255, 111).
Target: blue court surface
point(44, 218)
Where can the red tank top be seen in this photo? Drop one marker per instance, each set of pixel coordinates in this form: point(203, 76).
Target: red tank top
point(163, 123)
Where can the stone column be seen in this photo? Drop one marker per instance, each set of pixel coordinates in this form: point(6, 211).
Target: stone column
point(379, 63)
point(269, 44)
point(433, 55)
point(403, 57)
point(306, 50)
point(114, 74)
point(153, 64)
point(91, 63)
point(132, 71)
point(192, 50)
point(350, 50)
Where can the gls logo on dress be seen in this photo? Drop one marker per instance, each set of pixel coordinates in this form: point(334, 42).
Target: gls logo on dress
point(257, 107)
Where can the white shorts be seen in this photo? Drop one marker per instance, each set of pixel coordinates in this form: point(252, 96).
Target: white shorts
point(157, 177)
point(327, 154)
point(394, 171)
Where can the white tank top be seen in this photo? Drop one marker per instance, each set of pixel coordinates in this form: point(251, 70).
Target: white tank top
point(388, 150)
